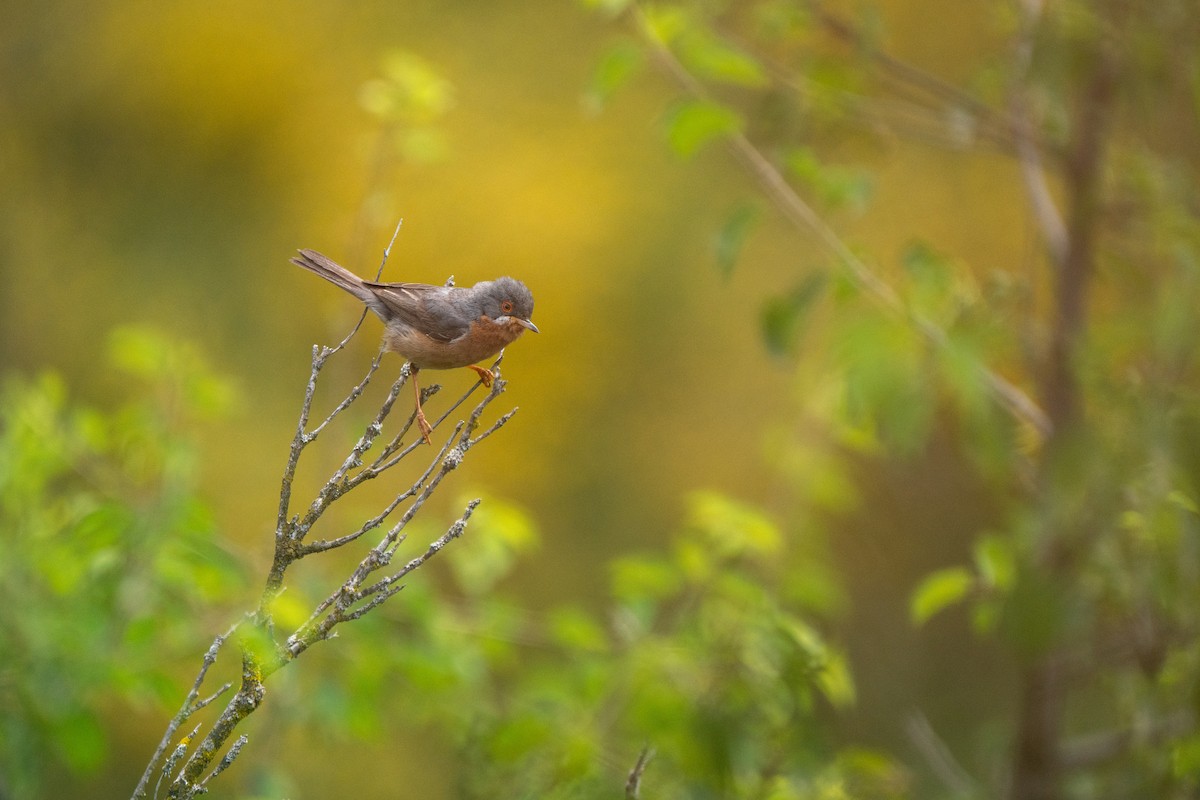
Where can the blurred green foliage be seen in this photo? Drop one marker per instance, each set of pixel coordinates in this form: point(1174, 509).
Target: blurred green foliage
point(703, 654)
point(723, 650)
point(1090, 564)
point(108, 560)
point(408, 99)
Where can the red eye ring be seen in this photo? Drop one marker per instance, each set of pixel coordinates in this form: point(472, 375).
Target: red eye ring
point(506, 306)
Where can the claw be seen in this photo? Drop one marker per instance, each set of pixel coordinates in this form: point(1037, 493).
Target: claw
point(424, 426)
point(422, 423)
point(485, 376)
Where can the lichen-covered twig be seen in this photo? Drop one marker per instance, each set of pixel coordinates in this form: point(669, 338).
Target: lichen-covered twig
point(191, 766)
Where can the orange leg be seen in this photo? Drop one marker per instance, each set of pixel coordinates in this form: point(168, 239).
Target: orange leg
point(485, 376)
point(422, 423)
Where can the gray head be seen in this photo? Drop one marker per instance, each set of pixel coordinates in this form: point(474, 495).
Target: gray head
point(504, 299)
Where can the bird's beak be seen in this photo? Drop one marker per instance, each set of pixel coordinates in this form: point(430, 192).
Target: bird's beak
point(527, 324)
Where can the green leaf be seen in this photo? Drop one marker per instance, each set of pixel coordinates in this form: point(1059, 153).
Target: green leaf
point(639, 579)
point(613, 7)
point(732, 528)
point(707, 56)
point(499, 532)
point(617, 66)
point(783, 317)
point(138, 351)
point(1181, 499)
point(886, 391)
point(938, 591)
point(733, 234)
point(835, 680)
point(409, 91)
point(664, 23)
point(931, 275)
point(996, 562)
point(695, 123)
point(835, 186)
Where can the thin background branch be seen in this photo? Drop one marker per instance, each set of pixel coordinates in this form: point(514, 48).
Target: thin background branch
point(797, 211)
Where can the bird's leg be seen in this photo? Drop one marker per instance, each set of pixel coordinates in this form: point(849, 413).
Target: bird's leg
point(485, 376)
point(422, 423)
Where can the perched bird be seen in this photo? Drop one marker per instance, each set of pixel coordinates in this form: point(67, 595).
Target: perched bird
point(437, 327)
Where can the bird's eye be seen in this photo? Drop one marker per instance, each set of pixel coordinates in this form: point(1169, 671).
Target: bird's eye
point(506, 306)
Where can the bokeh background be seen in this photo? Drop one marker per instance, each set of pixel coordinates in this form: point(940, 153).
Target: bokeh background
point(160, 162)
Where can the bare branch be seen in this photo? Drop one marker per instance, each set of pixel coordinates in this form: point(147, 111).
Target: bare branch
point(179, 752)
point(233, 753)
point(1045, 210)
point(1090, 751)
point(633, 784)
point(336, 485)
point(497, 425)
point(354, 394)
point(434, 548)
point(261, 652)
point(189, 707)
point(939, 758)
point(225, 687)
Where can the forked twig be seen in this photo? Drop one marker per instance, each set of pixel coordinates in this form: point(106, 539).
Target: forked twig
point(191, 765)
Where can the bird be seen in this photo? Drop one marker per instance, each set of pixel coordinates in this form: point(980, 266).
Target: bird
point(437, 327)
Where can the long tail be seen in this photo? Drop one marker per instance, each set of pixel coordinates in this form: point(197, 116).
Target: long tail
point(336, 274)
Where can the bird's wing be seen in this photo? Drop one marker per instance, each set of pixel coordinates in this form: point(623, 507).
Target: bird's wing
point(408, 303)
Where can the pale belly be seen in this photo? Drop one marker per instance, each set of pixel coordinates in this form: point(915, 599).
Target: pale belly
point(484, 340)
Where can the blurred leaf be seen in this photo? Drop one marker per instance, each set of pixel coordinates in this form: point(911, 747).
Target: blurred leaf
point(835, 186)
point(410, 91)
point(732, 528)
point(708, 56)
point(575, 630)
point(289, 610)
point(120, 550)
point(939, 591)
point(664, 22)
point(620, 62)
point(1181, 499)
point(996, 561)
point(962, 371)
point(257, 642)
point(783, 318)
point(873, 774)
point(886, 389)
point(732, 236)
point(613, 7)
point(694, 123)
point(932, 279)
point(498, 533)
point(835, 681)
point(635, 578)
point(177, 367)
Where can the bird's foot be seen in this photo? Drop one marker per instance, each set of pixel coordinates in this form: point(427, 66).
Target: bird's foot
point(485, 376)
point(424, 426)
